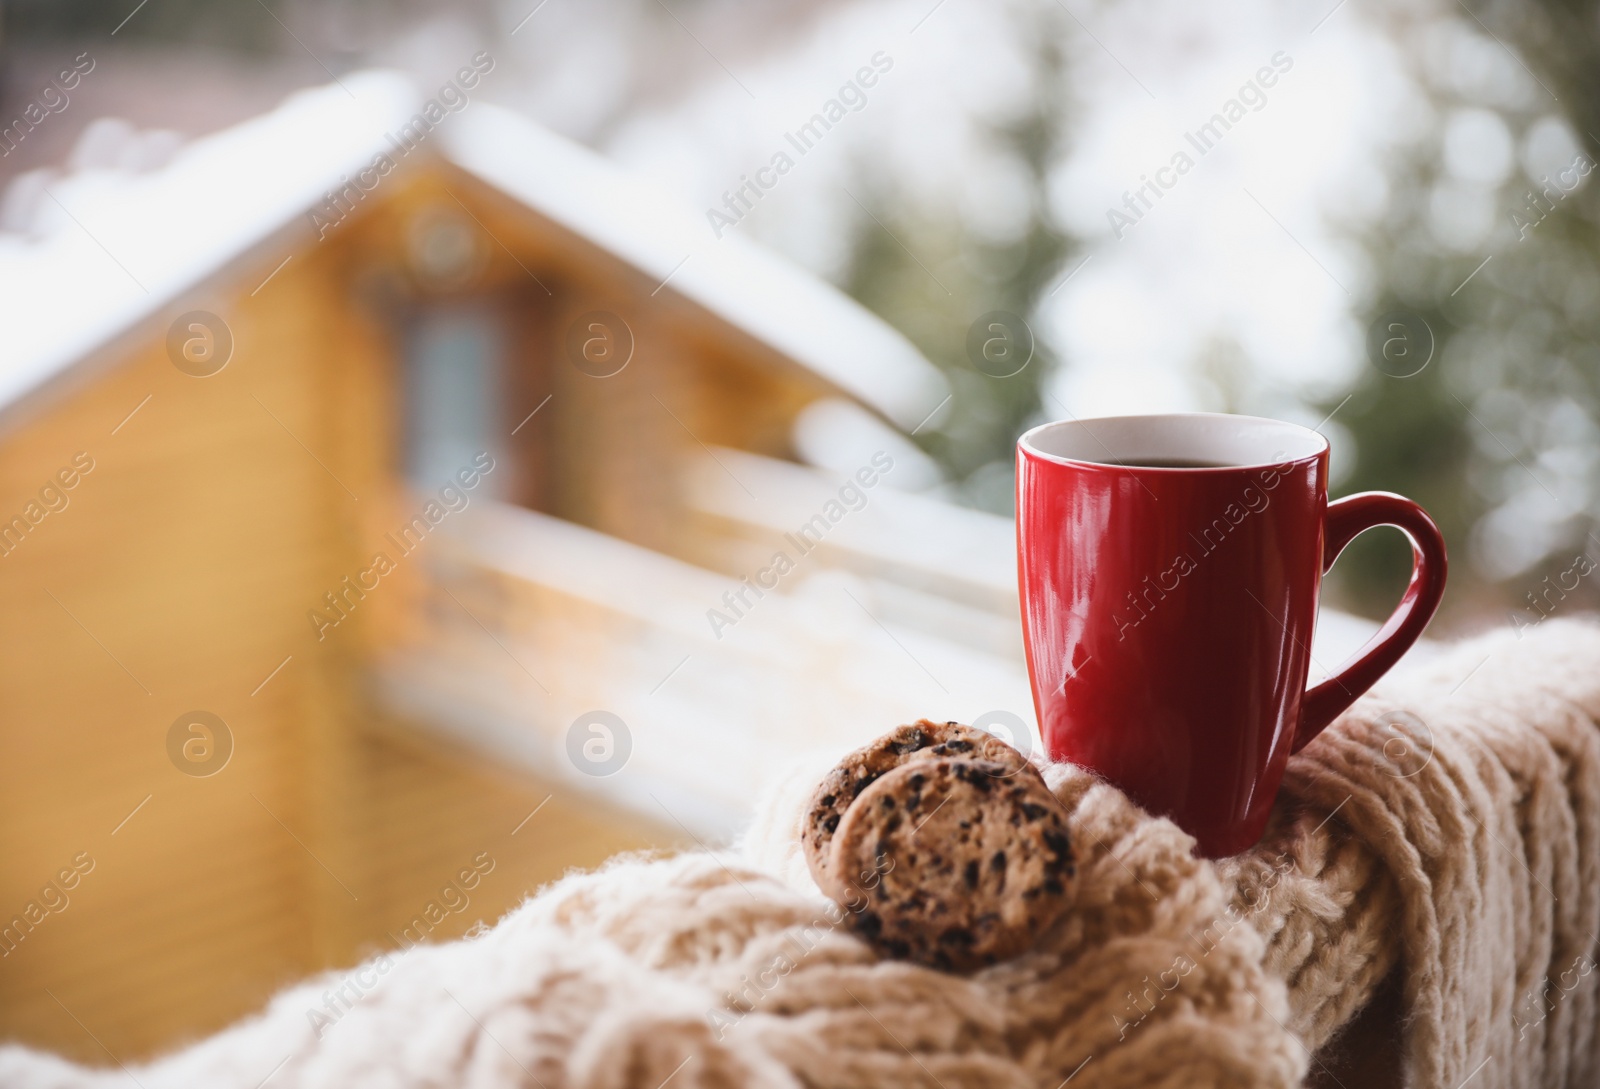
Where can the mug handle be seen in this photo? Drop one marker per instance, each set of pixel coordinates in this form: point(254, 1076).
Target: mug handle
point(1346, 520)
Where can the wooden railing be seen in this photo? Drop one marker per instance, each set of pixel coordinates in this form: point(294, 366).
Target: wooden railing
point(528, 623)
point(933, 566)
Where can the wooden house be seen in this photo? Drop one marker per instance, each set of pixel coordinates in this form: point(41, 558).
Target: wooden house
point(391, 492)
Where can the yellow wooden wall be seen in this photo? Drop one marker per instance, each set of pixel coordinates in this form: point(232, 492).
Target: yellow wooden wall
point(179, 577)
point(609, 443)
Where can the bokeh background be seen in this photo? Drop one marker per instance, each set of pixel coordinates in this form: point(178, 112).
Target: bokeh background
point(1407, 146)
point(1393, 239)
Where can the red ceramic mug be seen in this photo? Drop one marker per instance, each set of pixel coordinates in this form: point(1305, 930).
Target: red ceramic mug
point(1169, 569)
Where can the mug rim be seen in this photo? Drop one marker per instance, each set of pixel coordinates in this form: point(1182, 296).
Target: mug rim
point(1028, 442)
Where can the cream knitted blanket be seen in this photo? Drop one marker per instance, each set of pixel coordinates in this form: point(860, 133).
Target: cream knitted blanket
point(1449, 825)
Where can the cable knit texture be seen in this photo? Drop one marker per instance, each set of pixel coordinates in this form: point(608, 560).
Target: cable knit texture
point(1447, 827)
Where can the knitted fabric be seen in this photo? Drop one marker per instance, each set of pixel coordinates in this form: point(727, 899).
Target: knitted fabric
point(1447, 827)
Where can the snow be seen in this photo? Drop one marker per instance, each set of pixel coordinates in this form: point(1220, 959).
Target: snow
point(105, 251)
point(798, 314)
point(111, 248)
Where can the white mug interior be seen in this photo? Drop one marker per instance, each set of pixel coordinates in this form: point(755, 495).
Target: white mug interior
point(1197, 440)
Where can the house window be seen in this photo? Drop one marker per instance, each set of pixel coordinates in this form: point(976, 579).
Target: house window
point(455, 364)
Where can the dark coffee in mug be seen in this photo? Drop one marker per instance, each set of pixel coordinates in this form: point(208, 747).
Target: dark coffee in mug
point(1167, 463)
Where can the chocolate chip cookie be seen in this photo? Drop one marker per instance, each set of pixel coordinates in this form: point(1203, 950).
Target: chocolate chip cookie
point(955, 863)
point(840, 787)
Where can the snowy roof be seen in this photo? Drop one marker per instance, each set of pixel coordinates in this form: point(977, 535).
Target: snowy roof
point(104, 249)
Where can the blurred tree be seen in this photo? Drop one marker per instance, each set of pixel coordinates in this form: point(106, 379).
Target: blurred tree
point(247, 27)
point(1491, 238)
point(1410, 435)
point(1558, 40)
point(957, 276)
